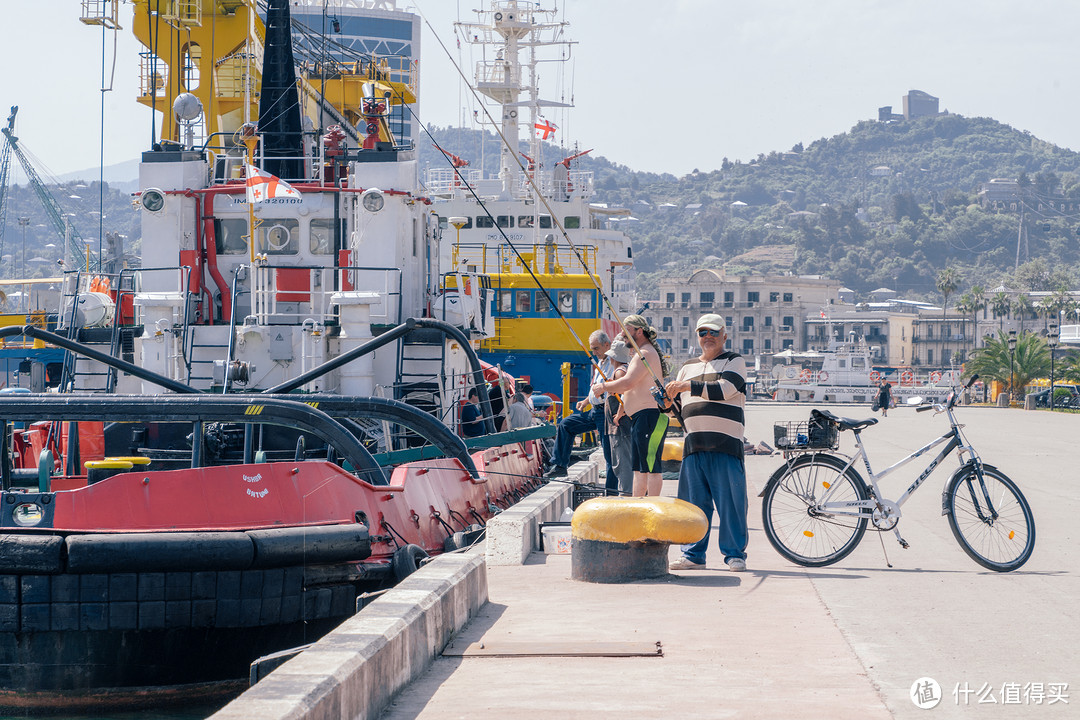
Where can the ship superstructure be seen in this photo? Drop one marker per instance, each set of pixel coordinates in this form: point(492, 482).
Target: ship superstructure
point(533, 226)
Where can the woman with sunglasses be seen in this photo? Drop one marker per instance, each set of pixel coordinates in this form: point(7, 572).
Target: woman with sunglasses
point(710, 391)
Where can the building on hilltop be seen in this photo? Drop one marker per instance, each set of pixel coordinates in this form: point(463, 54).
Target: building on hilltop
point(917, 104)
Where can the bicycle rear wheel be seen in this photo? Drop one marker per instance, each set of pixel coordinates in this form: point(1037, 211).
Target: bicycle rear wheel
point(991, 520)
point(800, 532)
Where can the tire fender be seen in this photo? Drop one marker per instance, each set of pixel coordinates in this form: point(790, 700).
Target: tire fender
point(406, 560)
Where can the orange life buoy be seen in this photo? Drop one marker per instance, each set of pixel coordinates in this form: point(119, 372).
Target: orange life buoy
point(99, 284)
point(875, 376)
point(907, 377)
point(935, 377)
point(804, 375)
point(823, 376)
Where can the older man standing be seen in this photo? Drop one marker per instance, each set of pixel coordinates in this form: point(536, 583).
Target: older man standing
point(580, 421)
point(711, 391)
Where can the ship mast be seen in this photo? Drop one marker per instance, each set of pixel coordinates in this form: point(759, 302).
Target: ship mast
point(509, 27)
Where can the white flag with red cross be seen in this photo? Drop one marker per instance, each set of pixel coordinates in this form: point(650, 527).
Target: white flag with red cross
point(544, 127)
point(262, 186)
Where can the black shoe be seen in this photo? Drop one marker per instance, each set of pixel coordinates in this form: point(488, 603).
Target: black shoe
point(556, 471)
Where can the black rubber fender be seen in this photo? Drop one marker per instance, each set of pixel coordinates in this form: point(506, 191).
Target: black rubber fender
point(312, 545)
point(455, 542)
point(406, 560)
point(36, 554)
point(159, 552)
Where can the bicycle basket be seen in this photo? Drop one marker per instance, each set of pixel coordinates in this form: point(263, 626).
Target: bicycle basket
point(816, 434)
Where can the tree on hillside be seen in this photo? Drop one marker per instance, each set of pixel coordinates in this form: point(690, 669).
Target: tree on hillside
point(1015, 370)
point(947, 282)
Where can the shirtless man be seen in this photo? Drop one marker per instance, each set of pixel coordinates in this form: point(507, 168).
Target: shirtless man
point(648, 424)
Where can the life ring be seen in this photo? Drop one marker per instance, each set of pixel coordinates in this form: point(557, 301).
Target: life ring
point(907, 377)
point(100, 284)
point(935, 377)
point(875, 376)
point(823, 376)
point(804, 375)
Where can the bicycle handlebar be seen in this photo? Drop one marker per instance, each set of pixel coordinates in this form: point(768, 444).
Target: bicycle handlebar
point(924, 408)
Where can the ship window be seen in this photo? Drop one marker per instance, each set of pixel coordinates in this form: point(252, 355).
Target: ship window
point(483, 221)
point(231, 236)
point(322, 236)
point(543, 302)
point(585, 301)
point(545, 221)
point(566, 301)
point(858, 363)
point(523, 304)
point(506, 301)
point(842, 363)
point(525, 221)
point(571, 222)
point(279, 236)
point(504, 221)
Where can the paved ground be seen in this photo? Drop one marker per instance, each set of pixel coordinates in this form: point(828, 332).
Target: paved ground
point(781, 641)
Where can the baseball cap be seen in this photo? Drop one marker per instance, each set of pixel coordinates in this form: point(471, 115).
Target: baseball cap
point(712, 321)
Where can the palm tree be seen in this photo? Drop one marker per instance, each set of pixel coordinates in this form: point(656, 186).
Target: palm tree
point(964, 306)
point(947, 282)
point(978, 304)
point(1015, 370)
point(1000, 306)
point(1022, 308)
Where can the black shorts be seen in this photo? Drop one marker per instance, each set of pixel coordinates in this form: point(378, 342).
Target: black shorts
point(647, 434)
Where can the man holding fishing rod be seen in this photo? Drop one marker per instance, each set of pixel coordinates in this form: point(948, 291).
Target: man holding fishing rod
point(580, 421)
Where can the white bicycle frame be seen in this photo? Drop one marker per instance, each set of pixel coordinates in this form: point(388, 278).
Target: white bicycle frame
point(856, 508)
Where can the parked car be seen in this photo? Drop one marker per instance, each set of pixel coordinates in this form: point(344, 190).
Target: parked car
point(1042, 398)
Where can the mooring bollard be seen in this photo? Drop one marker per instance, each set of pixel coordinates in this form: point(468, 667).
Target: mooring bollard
point(616, 539)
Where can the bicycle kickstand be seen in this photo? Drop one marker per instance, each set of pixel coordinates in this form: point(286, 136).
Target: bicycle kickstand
point(902, 541)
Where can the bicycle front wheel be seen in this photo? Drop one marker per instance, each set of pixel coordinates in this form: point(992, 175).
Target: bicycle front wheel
point(794, 522)
point(990, 519)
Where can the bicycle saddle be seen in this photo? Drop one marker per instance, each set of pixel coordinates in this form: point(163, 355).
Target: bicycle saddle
point(846, 423)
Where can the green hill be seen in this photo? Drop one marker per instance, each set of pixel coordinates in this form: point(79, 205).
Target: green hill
point(884, 204)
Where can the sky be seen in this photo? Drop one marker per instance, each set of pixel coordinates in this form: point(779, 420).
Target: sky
point(667, 86)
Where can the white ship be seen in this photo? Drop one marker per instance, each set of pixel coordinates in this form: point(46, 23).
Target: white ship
point(847, 375)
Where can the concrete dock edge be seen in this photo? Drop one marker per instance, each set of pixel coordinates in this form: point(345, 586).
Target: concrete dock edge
point(515, 532)
point(356, 670)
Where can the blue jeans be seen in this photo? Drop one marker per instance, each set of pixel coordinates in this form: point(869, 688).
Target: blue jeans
point(709, 479)
point(573, 425)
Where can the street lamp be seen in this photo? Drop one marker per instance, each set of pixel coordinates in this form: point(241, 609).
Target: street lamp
point(23, 222)
point(1012, 373)
point(1052, 341)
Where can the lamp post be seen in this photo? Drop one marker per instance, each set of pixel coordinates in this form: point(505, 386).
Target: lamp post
point(1052, 341)
point(1012, 373)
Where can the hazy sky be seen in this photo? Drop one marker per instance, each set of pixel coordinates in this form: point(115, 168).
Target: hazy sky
point(660, 86)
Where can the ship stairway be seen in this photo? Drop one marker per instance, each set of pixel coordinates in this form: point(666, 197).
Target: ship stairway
point(421, 371)
point(116, 339)
point(199, 357)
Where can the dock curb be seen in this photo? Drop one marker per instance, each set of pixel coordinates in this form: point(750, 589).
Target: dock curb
point(356, 669)
point(515, 532)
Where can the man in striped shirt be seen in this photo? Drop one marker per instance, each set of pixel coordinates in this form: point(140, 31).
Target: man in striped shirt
point(711, 393)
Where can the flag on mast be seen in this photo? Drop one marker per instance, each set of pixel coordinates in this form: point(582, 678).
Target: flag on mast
point(544, 127)
point(262, 186)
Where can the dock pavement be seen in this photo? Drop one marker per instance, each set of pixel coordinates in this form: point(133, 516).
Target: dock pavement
point(850, 640)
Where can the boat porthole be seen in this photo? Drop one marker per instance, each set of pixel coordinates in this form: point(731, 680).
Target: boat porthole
point(27, 514)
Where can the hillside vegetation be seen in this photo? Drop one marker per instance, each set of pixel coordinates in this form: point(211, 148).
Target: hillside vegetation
point(823, 209)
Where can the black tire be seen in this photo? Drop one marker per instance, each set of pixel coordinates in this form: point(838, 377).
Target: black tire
point(406, 560)
point(798, 533)
point(455, 542)
point(1002, 542)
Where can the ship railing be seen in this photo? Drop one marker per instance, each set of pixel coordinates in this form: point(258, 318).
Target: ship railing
point(294, 293)
point(538, 257)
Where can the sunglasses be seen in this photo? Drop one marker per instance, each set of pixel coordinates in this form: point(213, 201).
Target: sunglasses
point(707, 331)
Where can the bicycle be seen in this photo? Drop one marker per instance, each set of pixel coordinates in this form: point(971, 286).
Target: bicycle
point(816, 507)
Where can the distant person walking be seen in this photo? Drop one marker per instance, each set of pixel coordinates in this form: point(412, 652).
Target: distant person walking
point(884, 397)
point(710, 392)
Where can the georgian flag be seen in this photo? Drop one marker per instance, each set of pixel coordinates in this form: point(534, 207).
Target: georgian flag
point(544, 127)
point(262, 186)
